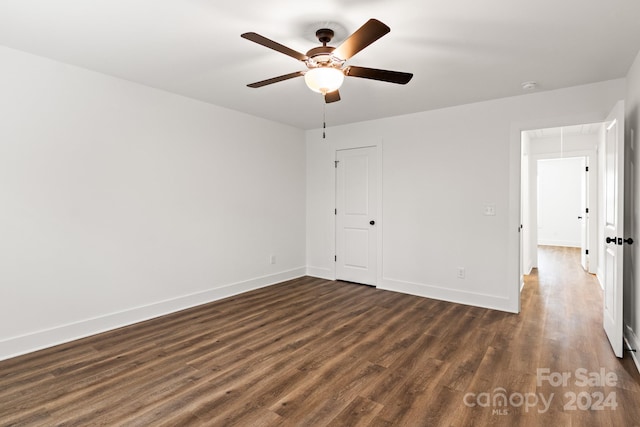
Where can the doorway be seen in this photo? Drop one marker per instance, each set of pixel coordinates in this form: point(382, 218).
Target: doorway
point(562, 207)
point(357, 218)
point(559, 194)
point(607, 149)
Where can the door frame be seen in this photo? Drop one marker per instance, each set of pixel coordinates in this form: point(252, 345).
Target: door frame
point(379, 210)
point(515, 194)
point(591, 158)
point(514, 264)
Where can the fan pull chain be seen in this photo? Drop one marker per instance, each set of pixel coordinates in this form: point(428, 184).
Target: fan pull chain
point(324, 120)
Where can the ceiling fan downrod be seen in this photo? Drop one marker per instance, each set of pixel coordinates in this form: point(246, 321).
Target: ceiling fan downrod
point(324, 35)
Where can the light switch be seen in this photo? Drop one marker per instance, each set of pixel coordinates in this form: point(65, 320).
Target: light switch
point(489, 209)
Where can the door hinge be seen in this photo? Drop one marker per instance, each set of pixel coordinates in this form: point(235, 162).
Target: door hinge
point(586, 168)
point(587, 210)
point(335, 163)
point(335, 258)
point(586, 252)
point(335, 211)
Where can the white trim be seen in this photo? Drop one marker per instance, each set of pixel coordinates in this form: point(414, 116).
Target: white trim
point(599, 276)
point(380, 211)
point(16, 346)
point(514, 272)
point(515, 196)
point(321, 273)
point(445, 294)
point(563, 243)
point(632, 341)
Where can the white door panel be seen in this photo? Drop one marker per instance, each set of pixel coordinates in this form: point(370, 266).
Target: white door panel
point(356, 254)
point(356, 204)
point(356, 183)
point(614, 227)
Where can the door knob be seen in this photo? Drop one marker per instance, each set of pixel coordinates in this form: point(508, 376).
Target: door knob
point(629, 241)
point(579, 217)
point(611, 240)
point(372, 222)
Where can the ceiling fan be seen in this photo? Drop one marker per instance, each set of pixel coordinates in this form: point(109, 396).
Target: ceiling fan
point(326, 64)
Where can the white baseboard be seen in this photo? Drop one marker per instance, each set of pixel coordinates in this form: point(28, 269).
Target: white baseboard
point(599, 276)
point(527, 271)
point(632, 341)
point(451, 295)
point(28, 343)
point(563, 243)
point(321, 273)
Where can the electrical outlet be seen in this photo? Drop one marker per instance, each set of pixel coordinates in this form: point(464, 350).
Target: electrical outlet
point(460, 272)
point(272, 259)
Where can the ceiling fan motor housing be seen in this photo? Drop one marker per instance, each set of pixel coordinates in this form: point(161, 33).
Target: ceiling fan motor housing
point(322, 56)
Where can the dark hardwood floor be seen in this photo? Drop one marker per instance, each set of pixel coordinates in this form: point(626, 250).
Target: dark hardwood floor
point(314, 352)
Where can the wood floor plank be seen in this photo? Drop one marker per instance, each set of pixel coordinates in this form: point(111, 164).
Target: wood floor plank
point(360, 412)
point(315, 352)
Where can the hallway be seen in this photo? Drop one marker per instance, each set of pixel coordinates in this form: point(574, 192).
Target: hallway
point(567, 302)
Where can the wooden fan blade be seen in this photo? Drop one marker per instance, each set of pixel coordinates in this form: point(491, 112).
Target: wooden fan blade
point(332, 96)
point(371, 31)
point(257, 38)
point(375, 74)
point(276, 79)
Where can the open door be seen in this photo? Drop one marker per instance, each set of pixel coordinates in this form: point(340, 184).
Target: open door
point(613, 239)
point(583, 216)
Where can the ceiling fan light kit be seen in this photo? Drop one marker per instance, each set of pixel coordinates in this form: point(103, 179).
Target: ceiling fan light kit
point(325, 64)
point(324, 79)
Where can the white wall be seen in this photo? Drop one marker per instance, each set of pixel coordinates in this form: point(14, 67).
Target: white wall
point(439, 168)
point(632, 209)
point(560, 201)
point(119, 202)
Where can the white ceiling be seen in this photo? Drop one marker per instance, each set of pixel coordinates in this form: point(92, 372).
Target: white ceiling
point(584, 129)
point(460, 51)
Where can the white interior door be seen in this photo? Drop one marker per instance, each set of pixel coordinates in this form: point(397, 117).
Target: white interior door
point(613, 239)
point(583, 217)
point(593, 219)
point(356, 219)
